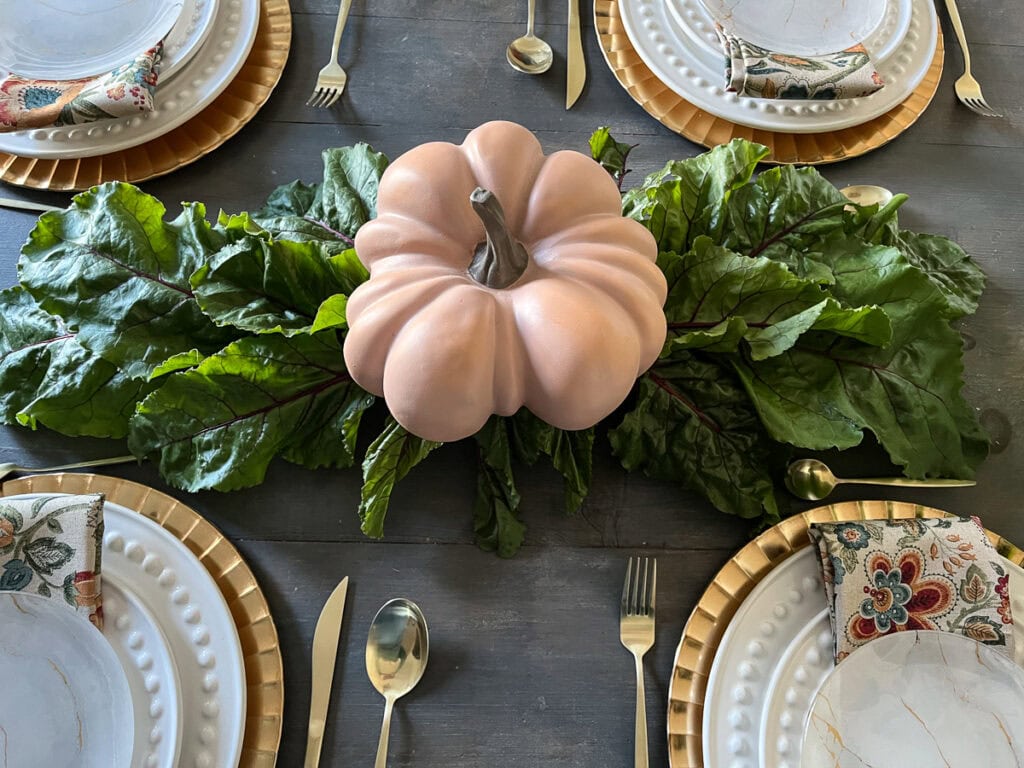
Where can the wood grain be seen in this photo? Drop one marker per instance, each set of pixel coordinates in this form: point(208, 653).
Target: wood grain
point(526, 666)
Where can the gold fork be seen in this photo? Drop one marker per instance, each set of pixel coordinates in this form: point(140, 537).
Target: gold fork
point(968, 90)
point(331, 81)
point(636, 631)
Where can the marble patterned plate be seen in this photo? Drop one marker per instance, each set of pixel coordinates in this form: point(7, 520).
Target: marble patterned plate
point(65, 696)
point(917, 700)
point(191, 612)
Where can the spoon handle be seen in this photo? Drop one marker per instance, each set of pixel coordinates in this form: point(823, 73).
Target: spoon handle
point(531, 10)
point(907, 482)
point(385, 732)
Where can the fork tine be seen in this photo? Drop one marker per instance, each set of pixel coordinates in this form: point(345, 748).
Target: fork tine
point(625, 586)
point(634, 602)
point(334, 97)
point(642, 606)
point(654, 584)
point(312, 96)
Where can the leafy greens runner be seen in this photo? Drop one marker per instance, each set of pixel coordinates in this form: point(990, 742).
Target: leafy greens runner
point(794, 319)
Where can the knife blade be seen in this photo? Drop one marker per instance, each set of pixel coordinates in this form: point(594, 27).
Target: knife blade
point(25, 205)
point(325, 653)
point(576, 71)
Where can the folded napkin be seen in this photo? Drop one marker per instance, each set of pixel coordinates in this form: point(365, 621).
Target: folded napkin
point(51, 546)
point(754, 71)
point(885, 576)
point(126, 91)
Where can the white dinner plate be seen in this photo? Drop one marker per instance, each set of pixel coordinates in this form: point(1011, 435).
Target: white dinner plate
point(145, 656)
point(918, 700)
point(773, 657)
point(210, 70)
point(71, 39)
point(806, 27)
point(65, 701)
point(160, 573)
point(675, 46)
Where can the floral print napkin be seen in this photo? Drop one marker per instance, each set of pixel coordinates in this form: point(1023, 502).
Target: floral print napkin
point(51, 546)
point(126, 91)
point(754, 71)
point(885, 576)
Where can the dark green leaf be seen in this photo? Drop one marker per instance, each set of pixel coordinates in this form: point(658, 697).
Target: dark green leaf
point(389, 458)
point(47, 377)
point(46, 554)
point(693, 424)
point(948, 266)
point(825, 391)
point(571, 453)
point(495, 523)
point(220, 424)
point(718, 297)
point(292, 199)
point(270, 286)
point(115, 270)
point(54, 525)
point(685, 199)
point(179, 362)
point(611, 154)
point(16, 576)
point(347, 199)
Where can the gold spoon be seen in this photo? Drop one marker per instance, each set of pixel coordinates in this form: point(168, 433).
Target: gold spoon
point(812, 480)
point(8, 468)
point(529, 53)
point(396, 656)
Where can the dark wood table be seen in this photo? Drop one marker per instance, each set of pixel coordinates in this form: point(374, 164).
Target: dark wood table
point(526, 667)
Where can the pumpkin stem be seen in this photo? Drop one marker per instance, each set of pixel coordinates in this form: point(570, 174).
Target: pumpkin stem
point(500, 260)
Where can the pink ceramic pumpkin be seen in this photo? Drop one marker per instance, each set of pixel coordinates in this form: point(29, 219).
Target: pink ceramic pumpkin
point(499, 278)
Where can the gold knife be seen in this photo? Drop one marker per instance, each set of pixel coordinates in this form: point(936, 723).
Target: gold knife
point(576, 73)
point(325, 652)
point(25, 205)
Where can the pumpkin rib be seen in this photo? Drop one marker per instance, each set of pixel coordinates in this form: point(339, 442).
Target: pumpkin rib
point(449, 393)
point(373, 316)
point(506, 161)
point(604, 229)
point(628, 291)
point(574, 186)
point(394, 234)
point(581, 351)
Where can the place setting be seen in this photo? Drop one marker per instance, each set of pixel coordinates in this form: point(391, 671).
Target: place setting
point(153, 84)
point(816, 82)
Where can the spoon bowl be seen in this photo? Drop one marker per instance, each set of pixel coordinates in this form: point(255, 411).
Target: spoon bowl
point(812, 480)
point(529, 54)
point(396, 657)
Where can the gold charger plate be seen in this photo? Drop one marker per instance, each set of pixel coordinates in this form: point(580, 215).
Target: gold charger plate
point(679, 115)
point(264, 669)
point(717, 606)
point(221, 120)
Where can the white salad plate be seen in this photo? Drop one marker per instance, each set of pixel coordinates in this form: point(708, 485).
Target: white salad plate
point(173, 601)
point(773, 658)
point(187, 36)
point(65, 701)
point(676, 40)
point(918, 700)
point(71, 39)
point(214, 62)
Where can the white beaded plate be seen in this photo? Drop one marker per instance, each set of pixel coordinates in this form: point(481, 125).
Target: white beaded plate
point(152, 678)
point(680, 59)
point(187, 36)
point(191, 612)
point(773, 658)
point(231, 35)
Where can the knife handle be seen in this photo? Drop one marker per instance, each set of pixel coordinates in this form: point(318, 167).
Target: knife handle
point(314, 743)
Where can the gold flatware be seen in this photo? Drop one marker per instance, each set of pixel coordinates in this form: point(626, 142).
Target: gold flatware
point(529, 54)
point(10, 468)
point(330, 83)
point(25, 205)
point(636, 631)
point(576, 72)
point(812, 480)
point(396, 657)
point(325, 653)
point(968, 90)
